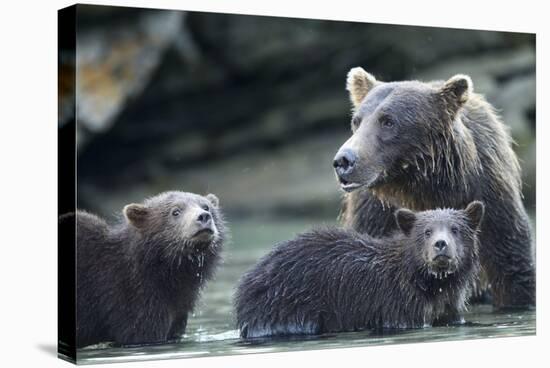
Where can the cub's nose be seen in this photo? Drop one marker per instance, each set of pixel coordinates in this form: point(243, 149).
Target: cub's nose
point(440, 245)
point(204, 218)
point(344, 161)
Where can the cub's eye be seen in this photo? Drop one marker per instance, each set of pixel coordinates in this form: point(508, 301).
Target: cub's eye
point(206, 208)
point(176, 212)
point(454, 230)
point(427, 232)
point(386, 122)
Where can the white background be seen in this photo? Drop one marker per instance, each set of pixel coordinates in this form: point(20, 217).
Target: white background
point(28, 181)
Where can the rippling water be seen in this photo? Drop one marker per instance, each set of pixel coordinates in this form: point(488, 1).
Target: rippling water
point(211, 330)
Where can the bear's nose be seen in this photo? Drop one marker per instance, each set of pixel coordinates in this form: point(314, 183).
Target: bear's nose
point(344, 161)
point(204, 218)
point(440, 245)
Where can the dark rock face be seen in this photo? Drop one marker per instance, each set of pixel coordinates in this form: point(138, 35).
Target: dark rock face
point(164, 94)
point(334, 280)
point(137, 280)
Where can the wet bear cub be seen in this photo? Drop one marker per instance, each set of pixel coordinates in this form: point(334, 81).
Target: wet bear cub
point(336, 280)
point(138, 279)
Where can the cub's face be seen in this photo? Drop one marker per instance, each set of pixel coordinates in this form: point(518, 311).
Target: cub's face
point(394, 125)
point(444, 240)
point(183, 219)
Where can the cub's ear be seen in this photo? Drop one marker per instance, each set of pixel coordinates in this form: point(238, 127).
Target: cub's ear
point(456, 91)
point(405, 220)
point(213, 199)
point(136, 214)
point(359, 83)
point(474, 212)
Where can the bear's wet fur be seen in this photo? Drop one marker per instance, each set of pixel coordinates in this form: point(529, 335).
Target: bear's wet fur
point(336, 279)
point(438, 144)
point(138, 279)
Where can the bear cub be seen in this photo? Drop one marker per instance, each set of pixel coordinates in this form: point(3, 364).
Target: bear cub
point(138, 279)
point(336, 280)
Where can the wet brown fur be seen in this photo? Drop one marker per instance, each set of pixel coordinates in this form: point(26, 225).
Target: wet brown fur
point(139, 278)
point(461, 152)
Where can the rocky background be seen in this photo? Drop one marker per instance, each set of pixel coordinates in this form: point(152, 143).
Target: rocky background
point(254, 108)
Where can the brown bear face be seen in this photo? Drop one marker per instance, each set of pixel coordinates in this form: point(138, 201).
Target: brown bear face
point(442, 241)
point(395, 125)
point(177, 219)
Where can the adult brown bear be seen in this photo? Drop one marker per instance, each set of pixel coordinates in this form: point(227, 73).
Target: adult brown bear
point(437, 144)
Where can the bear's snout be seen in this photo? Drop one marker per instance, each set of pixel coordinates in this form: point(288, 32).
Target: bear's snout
point(204, 218)
point(344, 162)
point(440, 246)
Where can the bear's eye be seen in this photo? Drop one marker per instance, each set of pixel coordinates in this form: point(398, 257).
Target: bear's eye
point(427, 232)
point(355, 122)
point(176, 212)
point(206, 208)
point(386, 122)
point(454, 230)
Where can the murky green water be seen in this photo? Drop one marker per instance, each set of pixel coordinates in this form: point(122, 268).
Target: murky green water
point(211, 329)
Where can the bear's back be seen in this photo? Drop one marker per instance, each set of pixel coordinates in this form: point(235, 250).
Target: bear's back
point(90, 227)
point(318, 278)
point(101, 248)
point(102, 270)
point(493, 142)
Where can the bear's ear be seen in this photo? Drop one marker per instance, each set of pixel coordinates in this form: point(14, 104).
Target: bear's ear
point(136, 214)
point(213, 199)
point(359, 83)
point(474, 212)
point(456, 91)
point(405, 220)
